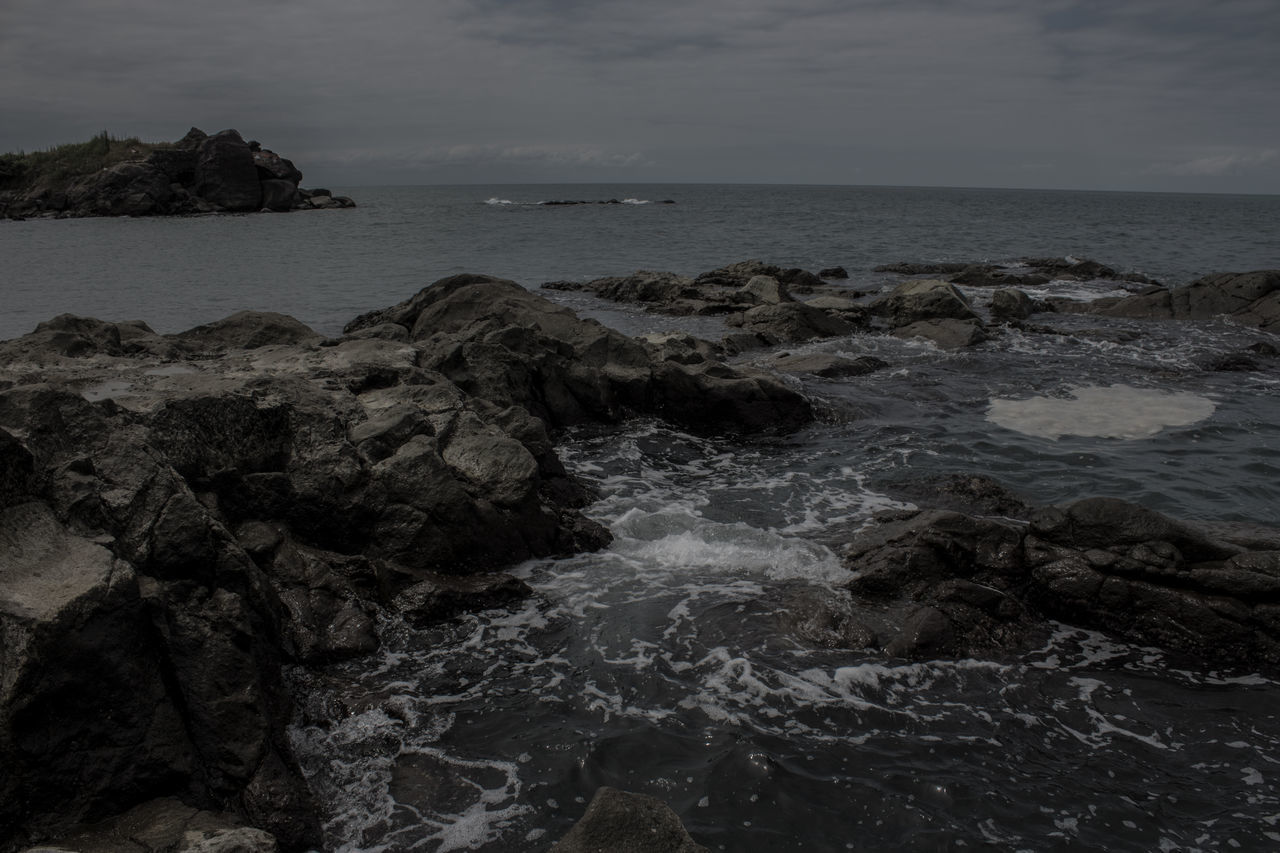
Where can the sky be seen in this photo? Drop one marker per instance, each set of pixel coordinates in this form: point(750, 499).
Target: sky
point(1162, 95)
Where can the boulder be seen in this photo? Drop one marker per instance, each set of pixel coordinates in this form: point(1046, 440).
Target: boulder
point(790, 323)
point(828, 365)
point(246, 330)
point(765, 290)
point(622, 822)
point(833, 273)
point(945, 333)
point(927, 299)
point(226, 175)
point(280, 195)
point(1010, 304)
point(271, 166)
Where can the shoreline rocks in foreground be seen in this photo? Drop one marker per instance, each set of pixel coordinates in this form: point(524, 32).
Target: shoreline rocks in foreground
point(198, 174)
point(182, 516)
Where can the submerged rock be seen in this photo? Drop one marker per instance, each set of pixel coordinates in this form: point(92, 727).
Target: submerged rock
point(623, 822)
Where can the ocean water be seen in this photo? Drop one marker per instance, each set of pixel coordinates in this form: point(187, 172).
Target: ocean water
point(672, 664)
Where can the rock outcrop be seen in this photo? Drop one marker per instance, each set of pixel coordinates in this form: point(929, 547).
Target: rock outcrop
point(183, 515)
point(1250, 298)
point(197, 174)
point(966, 584)
point(504, 344)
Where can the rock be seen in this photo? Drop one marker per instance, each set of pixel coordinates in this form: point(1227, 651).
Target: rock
point(443, 597)
point(1010, 304)
point(986, 275)
point(928, 299)
point(643, 287)
point(833, 272)
point(165, 826)
point(979, 584)
point(765, 290)
point(280, 195)
point(827, 365)
point(621, 822)
point(226, 175)
point(790, 323)
point(945, 333)
point(509, 346)
point(271, 166)
point(246, 330)
point(736, 275)
point(125, 189)
point(1251, 298)
point(907, 268)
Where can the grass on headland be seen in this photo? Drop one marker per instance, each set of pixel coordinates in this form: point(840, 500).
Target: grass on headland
point(65, 162)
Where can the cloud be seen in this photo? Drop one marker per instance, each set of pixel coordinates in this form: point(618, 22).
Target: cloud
point(588, 156)
point(783, 90)
point(1227, 163)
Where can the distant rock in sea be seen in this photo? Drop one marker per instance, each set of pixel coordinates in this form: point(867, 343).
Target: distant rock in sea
point(198, 174)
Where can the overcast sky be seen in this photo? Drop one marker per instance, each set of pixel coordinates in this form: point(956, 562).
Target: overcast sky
point(1087, 94)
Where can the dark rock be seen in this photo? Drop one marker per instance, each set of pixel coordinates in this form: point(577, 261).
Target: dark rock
point(271, 166)
point(945, 333)
point(828, 366)
point(164, 826)
point(177, 164)
point(912, 301)
point(736, 275)
point(1010, 304)
point(246, 330)
point(1102, 563)
point(443, 597)
point(790, 323)
point(1251, 298)
point(833, 272)
point(279, 195)
point(908, 268)
point(765, 290)
point(502, 343)
point(986, 275)
point(621, 822)
point(125, 189)
point(226, 175)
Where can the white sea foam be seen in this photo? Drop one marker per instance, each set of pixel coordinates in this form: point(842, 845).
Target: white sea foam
point(1116, 411)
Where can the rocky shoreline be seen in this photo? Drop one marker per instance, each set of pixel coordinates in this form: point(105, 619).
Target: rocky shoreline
point(183, 516)
point(198, 174)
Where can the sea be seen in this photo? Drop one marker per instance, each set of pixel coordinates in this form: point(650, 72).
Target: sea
point(670, 664)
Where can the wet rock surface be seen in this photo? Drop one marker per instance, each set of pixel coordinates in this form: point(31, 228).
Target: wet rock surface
point(623, 822)
point(968, 584)
point(183, 515)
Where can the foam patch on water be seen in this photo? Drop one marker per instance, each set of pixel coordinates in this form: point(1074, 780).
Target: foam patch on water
point(1116, 411)
point(684, 540)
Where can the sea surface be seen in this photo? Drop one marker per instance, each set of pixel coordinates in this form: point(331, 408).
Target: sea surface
point(670, 663)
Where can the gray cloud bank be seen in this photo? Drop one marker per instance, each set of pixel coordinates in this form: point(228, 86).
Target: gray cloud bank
point(1127, 94)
